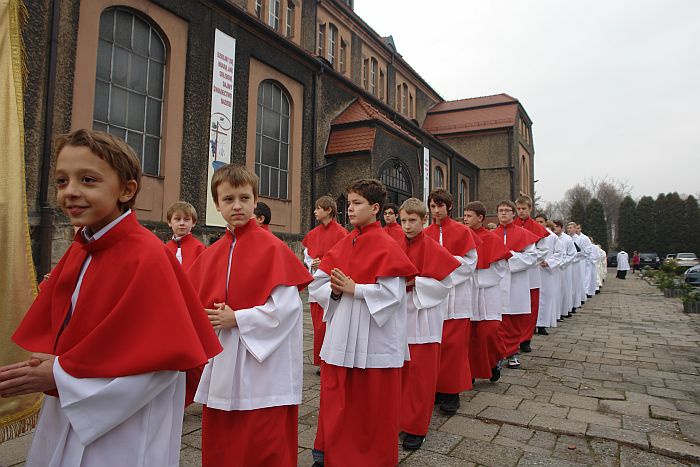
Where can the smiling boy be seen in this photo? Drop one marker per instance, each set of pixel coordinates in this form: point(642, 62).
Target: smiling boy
point(249, 283)
point(182, 217)
point(361, 286)
point(113, 328)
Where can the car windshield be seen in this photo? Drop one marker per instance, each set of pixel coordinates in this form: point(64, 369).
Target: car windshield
point(686, 256)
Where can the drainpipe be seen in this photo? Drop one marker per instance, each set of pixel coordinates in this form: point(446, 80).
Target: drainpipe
point(45, 209)
point(511, 169)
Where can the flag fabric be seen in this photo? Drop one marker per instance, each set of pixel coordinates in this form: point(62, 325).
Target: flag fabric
point(17, 277)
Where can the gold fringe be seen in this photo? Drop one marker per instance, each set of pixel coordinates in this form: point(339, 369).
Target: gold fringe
point(21, 423)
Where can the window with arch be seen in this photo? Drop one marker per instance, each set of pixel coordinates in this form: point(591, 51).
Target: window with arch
point(129, 83)
point(438, 177)
point(394, 175)
point(272, 140)
point(463, 195)
point(524, 176)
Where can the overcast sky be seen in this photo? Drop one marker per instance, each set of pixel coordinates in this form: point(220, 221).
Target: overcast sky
point(612, 86)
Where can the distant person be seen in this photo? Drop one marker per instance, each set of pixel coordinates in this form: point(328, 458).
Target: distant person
point(636, 259)
point(392, 222)
point(623, 264)
point(263, 215)
point(491, 226)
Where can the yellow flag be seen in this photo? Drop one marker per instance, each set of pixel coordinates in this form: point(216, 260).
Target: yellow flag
point(17, 276)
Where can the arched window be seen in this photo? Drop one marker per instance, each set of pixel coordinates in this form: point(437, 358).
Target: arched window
point(129, 84)
point(272, 140)
point(463, 197)
point(394, 176)
point(438, 178)
point(524, 176)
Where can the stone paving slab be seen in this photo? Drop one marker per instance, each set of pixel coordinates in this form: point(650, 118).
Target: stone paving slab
point(618, 384)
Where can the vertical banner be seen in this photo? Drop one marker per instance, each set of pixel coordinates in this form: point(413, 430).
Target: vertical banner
point(17, 283)
point(426, 174)
point(221, 115)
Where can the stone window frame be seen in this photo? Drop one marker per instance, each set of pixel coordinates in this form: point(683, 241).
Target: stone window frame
point(289, 28)
point(341, 56)
point(282, 165)
point(157, 192)
point(463, 185)
point(332, 43)
point(274, 16)
point(320, 39)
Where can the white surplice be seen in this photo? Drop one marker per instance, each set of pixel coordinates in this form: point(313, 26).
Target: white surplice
point(567, 267)
point(602, 267)
point(377, 310)
point(492, 298)
point(550, 301)
point(426, 310)
point(623, 261)
point(579, 293)
point(519, 264)
point(461, 302)
point(535, 272)
point(262, 361)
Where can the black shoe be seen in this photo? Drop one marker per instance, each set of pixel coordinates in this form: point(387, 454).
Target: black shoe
point(318, 371)
point(597, 292)
point(412, 442)
point(589, 296)
point(316, 464)
point(450, 404)
point(566, 316)
point(318, 457)
point(495, 373)
point(439, 397)
point(525, 347)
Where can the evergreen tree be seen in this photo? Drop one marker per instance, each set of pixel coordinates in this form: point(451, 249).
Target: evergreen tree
point(596, 226)
point(692, 231)
point(676, 224)
point(578, 212)
point(627, 230)
point(661, 225)
point(645, 225)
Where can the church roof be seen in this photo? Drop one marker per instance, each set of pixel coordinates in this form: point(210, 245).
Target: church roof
point(472, 114)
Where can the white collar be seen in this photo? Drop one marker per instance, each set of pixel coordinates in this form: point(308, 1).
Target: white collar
point(91, 238)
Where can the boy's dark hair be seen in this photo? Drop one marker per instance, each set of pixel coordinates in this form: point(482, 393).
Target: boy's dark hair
point(391, 206)
point(542, 215)
point(184, 207)
point(326, 202)
point(111, 149)
point(441, 196)
point(507, 202)
point(236, 175)
point(478, 208)
point(559, 223)
point(524, 199)
point(262, 209)
point(369, 188)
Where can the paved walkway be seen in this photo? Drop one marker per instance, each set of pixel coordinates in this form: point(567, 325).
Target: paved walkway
point(617, 384)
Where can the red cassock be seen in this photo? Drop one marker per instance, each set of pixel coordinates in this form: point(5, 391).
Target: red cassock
point(531, 225)
point(395, 231)
point(260, 262)
point(455, 374)
point(420, 374)
point(137, 312)
point(513, 327)
point(486, 348)
point(190, 248)
point(358, 421)
point(317, 242)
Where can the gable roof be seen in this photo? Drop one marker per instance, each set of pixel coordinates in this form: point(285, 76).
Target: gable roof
point(473, 114)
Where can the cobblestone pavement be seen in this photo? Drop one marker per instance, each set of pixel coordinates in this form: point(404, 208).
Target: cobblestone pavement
point(617, 384)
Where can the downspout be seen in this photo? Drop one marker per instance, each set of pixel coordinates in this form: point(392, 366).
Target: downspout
point(45, 209)
point(511, 169)
point(314, 152)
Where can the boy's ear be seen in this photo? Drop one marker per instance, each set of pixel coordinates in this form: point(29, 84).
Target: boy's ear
point(375, 209)
point(128, 191)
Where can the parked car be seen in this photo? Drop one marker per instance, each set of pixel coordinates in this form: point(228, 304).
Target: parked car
point(687, 260)
point(649, 259)
point(612, 259)
point(669, 257)
point(692, 276)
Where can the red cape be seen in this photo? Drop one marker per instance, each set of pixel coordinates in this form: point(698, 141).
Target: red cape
point(531, 225)
point(136, 313)
point(517, 238)
point(429, 257)
point(322, 238)
point(395, 231)
point(366, 254)
point(491, 249)
point(260, 263)
point(456, 237)
point(190, 248)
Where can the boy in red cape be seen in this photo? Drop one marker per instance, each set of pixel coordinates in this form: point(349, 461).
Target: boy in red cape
point(521, 243)
point(523, 206)
point(182, 216)
point(113, 327)
point(391, 222)
point(316, 243)
point(492, 278)
point(454, 376)
point(249, 282)
point(427, 308)
point(361, 286)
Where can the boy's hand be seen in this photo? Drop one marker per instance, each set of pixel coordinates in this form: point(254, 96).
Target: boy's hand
point(222, 317)
point(340, 283)
point(33, 375)
point(544, 264)
point(315, 262)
